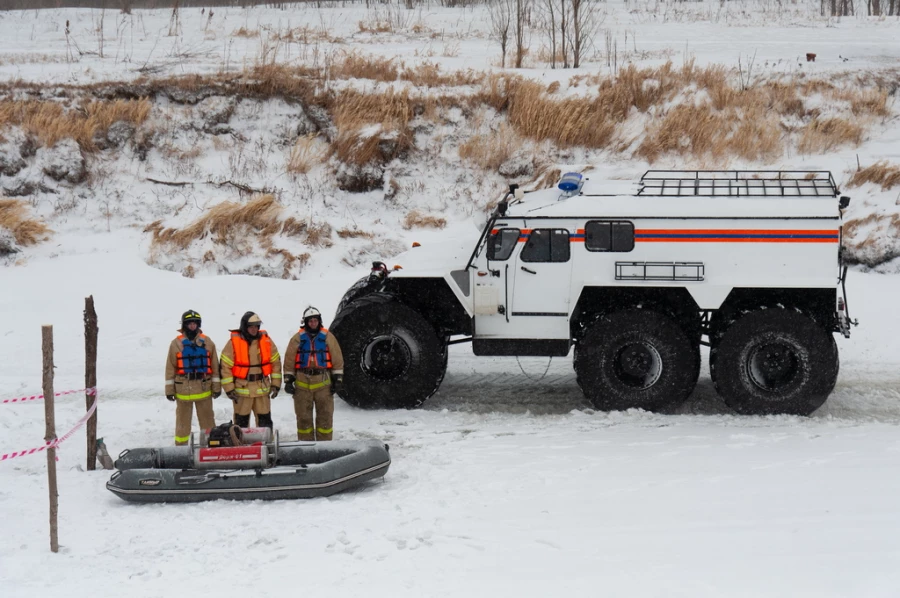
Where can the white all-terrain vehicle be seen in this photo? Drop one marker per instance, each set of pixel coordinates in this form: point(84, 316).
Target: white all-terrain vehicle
point(748, 263)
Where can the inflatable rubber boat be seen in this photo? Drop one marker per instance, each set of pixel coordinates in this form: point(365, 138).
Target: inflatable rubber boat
point(257, 467)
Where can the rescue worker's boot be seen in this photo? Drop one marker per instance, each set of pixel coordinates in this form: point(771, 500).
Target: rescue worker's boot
point(242, 421)
point(264, 420)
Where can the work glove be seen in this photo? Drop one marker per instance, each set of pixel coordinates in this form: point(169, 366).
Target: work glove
point(216, 395)
point(233, 395)
point(273, 391)
point(289, 384)
point(170, 397)
point(337, 384)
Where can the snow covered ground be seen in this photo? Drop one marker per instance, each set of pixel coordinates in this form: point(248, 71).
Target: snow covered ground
point(506, 482)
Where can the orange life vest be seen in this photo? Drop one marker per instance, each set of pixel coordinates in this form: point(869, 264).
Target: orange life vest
point(242, 365)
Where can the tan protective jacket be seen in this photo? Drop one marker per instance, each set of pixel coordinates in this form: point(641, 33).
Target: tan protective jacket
point(313, 382)
point(243, 386)
point(192, 390)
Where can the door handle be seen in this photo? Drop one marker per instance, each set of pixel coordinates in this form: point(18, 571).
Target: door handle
point(529, 271)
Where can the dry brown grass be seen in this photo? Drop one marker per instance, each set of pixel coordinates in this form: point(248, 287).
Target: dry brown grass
point(491, 150)
point(51, 121)
point(416, 219)
point(289, 261)
point(822, 135)
point(15, 217)
point(306, 35)
point(229, 223)
point(31, 58)
point(870, 102)
point(306, 154)
point(881, 173)
point(375, 26)
point(244, 32)
point(371, 127)
point(355, 65)
point(702, 132)
point(868, 240)
point(223, 222)
point(568, 122)
point(354, 233)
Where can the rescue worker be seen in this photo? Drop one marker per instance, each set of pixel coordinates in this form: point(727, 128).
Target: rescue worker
point(251, 372)
point(314, 370)
point(192, 376)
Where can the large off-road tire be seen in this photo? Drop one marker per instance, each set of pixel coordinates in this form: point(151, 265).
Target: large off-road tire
point(392, 356)
point(636, 359)
point(774, 360)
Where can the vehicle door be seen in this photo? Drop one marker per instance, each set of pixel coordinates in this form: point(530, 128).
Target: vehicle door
point(491, 282)
point(542, 273)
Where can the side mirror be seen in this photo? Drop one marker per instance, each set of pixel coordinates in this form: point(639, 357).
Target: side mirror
point(843, 202)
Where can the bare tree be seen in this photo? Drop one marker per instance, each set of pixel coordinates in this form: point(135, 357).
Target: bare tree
point(586, 20)
point(549, 13)
point(501, 22)
point(523, 9)
point(565, 22)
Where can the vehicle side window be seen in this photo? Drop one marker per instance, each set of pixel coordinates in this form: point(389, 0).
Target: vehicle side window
point(609, 235)
point(547, 245)
point(502, 243)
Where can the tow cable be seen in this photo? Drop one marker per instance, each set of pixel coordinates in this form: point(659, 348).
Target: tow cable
point(546, 369)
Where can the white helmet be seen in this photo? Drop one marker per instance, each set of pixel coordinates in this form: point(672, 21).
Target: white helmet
point(311, 312)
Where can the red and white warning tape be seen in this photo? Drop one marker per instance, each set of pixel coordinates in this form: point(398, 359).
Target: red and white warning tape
point(89, 391)
point(54, 443)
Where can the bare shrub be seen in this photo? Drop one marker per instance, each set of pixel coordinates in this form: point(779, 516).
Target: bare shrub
point(881, 173)
point(14, 217)
point(416, 219)
point(822, 135)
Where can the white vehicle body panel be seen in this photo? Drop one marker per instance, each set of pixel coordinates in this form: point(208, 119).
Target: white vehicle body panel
point(708, 245)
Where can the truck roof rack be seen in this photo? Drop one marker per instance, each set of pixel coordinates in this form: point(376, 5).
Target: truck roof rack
point(738, 183)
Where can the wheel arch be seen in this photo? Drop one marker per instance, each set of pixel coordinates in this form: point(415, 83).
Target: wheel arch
point(435, 300)
point(676, 302)
point(817, 303)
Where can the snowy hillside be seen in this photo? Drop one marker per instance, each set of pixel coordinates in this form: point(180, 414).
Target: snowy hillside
point(232, 159)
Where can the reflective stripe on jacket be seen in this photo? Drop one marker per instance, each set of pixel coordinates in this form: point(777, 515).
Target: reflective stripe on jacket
point(183, 386)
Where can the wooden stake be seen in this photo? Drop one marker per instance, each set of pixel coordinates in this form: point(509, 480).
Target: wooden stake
point(90, 378)
point(50, 435)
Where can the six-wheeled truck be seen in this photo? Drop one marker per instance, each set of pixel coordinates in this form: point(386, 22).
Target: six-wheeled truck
point(748, 263)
